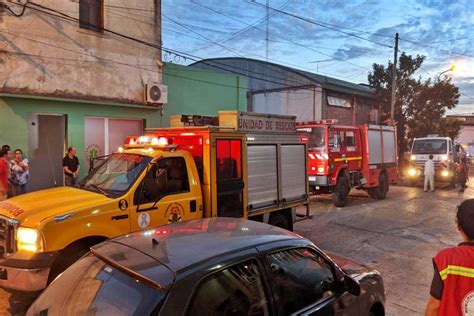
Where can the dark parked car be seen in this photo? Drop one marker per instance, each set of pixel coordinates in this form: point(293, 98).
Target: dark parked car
point(216, 266)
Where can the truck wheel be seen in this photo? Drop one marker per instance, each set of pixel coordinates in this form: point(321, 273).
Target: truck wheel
point(343, 187)
point(66, 258)
point(380, 192)
point(278, 220)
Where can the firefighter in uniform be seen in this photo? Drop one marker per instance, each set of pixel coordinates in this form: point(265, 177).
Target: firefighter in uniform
point(452, 288)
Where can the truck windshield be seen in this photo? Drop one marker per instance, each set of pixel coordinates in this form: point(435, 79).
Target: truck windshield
point(115, 175)
point(92, 287)
point(317, 139)
point(430, 146)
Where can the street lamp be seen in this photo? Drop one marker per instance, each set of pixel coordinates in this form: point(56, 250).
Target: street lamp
point(453, 68)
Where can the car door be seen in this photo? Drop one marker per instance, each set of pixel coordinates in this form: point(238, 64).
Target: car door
point(305, 283)
point(165, 195)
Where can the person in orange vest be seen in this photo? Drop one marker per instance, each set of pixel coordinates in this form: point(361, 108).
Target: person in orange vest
point(452, 288)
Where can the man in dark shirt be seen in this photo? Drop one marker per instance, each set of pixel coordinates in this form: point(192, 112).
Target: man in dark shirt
point(452, 288)
point(71, 167)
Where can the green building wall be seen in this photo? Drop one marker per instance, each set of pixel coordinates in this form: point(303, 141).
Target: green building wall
point(195, 91)
point(190, 91)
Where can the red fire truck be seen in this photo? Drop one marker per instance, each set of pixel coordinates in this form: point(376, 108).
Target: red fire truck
point(345, 157)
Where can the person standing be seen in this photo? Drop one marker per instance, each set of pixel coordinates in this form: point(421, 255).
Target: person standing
point(452, 288)
point(71, 167)
point(8, 156)
point(20, 173)
point(429, 174)
point(462, 176)
point(3, 176)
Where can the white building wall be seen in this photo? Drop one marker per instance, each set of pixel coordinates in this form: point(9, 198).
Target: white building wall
point(466, 138)
point(305, 104)
point(44, 55)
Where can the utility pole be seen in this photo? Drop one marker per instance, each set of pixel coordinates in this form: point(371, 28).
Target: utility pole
point(266, 37)
point(394, 81)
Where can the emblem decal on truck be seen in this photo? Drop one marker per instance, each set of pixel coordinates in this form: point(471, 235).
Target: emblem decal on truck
point(144, 220)
point(12, 209)
point(174, 213)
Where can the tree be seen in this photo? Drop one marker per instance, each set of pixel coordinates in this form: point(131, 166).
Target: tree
point(420, 105)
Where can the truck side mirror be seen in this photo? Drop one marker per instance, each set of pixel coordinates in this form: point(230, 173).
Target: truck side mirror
point(351, 285)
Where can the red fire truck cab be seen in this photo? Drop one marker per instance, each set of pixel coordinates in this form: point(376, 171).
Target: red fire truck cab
point(345, 157)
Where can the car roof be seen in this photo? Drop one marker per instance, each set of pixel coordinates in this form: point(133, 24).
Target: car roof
point(180, 245)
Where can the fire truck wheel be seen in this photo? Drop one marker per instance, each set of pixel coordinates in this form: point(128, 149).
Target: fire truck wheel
point(339, 196)
point(382, 189)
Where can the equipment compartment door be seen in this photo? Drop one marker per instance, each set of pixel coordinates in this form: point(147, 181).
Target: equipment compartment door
point(229, 177)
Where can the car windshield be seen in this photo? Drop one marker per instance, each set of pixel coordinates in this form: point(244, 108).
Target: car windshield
point(115, 175)
point(430, 146)
point(92, 287)
point(317, 139)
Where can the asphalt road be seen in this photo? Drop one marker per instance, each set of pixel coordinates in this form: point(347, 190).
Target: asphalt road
point(397, 236)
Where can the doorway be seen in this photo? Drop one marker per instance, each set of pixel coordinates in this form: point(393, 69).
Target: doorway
point(46, 148)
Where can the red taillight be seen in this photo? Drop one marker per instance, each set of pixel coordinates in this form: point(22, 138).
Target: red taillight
point(304, 139)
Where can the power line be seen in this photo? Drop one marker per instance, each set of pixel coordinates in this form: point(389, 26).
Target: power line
point(320, 24)
point(138, 67)
point(171, 51)
point(437, 48)
point(13, 12)
point(273, 34)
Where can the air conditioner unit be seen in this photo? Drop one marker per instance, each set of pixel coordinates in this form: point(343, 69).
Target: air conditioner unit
point(156, 93)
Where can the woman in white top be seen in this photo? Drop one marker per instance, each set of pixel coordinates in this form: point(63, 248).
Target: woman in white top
point(20, 173)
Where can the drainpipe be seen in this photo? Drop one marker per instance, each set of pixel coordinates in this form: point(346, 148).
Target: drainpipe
point(354, 105)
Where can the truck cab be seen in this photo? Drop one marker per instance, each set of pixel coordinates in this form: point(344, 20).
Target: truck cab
point(445, 154)
point(166, 175)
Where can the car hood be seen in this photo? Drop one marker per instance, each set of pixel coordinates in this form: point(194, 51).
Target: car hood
point(32, 208)
point(349, 266)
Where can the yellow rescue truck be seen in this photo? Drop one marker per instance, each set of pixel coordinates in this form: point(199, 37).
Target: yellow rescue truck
point(235, 165)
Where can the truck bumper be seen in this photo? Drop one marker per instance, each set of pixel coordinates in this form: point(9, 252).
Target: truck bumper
point(26, 272)
point(25, 280)
point(318, 181)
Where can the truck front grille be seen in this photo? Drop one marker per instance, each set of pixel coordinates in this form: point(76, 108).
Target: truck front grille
point(7, 237)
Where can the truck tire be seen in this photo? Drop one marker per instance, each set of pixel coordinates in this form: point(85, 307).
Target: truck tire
point(66, 258)
point(341, 192)
point(380, 192)
point(279, 220)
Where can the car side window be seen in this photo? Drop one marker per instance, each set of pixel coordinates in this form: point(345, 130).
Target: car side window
point(237, 290)
point(300, 278)
point(165, 177)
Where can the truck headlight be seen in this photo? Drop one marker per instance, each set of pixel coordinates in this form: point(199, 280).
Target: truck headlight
point(445, 173)
point(412, 172)
point(412, 157)
point(29, 239)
